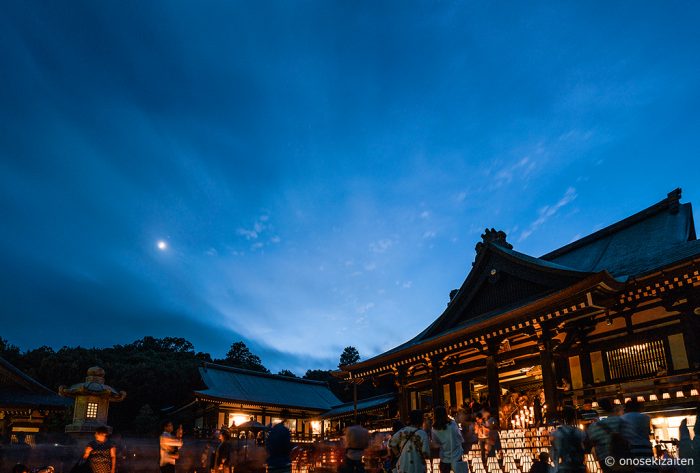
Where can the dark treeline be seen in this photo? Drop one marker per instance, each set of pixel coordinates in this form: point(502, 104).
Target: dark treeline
point(158, 374)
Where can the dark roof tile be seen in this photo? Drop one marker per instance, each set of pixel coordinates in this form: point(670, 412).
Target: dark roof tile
point(238, 385)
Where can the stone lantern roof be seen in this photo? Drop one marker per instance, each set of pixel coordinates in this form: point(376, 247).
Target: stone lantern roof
point(94, 385)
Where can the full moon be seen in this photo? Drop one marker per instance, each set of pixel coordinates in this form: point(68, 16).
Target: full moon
point(162, 245)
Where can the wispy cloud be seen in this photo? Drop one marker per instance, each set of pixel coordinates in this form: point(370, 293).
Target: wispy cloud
point(260, 233)
point(521, 169)
point(381, 246)
point(547, 212)
point(365, 307)
point(254, 232)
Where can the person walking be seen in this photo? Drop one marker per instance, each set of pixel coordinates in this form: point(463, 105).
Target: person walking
point(411, 445)
point(483, 434)
point(447, 436)
point(100, 455)
point(356, 441)
point(279, 447)
point(638, 436)
point(608, 439)
point(468, 429)
point(568, 452)
point(222, 458)
point(169, 447)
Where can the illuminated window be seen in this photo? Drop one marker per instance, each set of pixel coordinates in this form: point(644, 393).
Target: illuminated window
point(91, 410)
point(634, 361)
point(235, 418)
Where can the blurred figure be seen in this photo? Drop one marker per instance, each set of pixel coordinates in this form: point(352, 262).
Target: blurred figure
point(483, 433)
point(688, 449)
point(664, 456)
point(494, 437)
point(20, 468)
point(468, 429)
point(101, 454)
point(169, 447)
point(537, 412)
point(356, 441)
point(608, 438)
point(222, 460)
point(205, 459)
point(279, 447)
point(568, 451)
point(638, 434)
point(541, 464)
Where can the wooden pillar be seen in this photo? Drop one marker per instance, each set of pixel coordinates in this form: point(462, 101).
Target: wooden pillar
point(436, 385)
point(549, 374)
point(586, 370)
point(691, 327)
point(466, 389)
point(453, 395)
point(494, 384)
point(404, 401)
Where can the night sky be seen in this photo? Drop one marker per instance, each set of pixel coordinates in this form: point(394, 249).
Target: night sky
point(319, 171)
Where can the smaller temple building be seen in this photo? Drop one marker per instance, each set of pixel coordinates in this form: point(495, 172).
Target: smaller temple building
point(376, 413)
point(24, 404)
point(235, 396)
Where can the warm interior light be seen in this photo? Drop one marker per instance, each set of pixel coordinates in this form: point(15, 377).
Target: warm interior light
point(666, 396)
point(594, 404)
point(627, 399)
point(653, 397)
point(617, 401)
point(693, 392)
point(679, 394)
point(237, 419)
point(640, 398)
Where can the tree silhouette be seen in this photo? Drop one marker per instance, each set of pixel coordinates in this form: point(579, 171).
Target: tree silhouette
point(240, 356)
point(349, 356)
point(287, 373)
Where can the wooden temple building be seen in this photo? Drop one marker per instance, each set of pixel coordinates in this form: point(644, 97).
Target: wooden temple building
point(234, 397)
point(25, 405)
point(613, 314)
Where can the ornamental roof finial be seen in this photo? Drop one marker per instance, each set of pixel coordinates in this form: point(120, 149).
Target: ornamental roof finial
point(497, 237)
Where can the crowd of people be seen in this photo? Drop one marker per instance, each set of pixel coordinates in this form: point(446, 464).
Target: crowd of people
point(619, 438)
point(100, 455)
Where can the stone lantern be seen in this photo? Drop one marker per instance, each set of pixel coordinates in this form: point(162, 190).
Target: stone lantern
point(92, 400)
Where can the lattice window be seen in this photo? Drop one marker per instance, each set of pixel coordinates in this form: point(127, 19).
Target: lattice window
point(91, 410)
point(634, 361)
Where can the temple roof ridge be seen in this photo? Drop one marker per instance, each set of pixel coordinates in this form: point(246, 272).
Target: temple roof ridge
point(671, 204)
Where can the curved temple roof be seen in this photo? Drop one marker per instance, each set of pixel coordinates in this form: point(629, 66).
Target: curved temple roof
point(648, 241)
point(225, 383)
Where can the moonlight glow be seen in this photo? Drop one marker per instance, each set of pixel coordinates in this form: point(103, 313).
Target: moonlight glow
point(162, 245)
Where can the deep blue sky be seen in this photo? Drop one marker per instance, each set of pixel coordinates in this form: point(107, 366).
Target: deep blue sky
point(320, 170)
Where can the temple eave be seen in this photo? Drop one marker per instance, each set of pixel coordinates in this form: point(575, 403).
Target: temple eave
point(590, 294)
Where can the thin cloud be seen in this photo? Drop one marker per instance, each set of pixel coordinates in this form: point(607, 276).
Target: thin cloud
point(364, 308)
point(548, 211)
point(381, 246)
